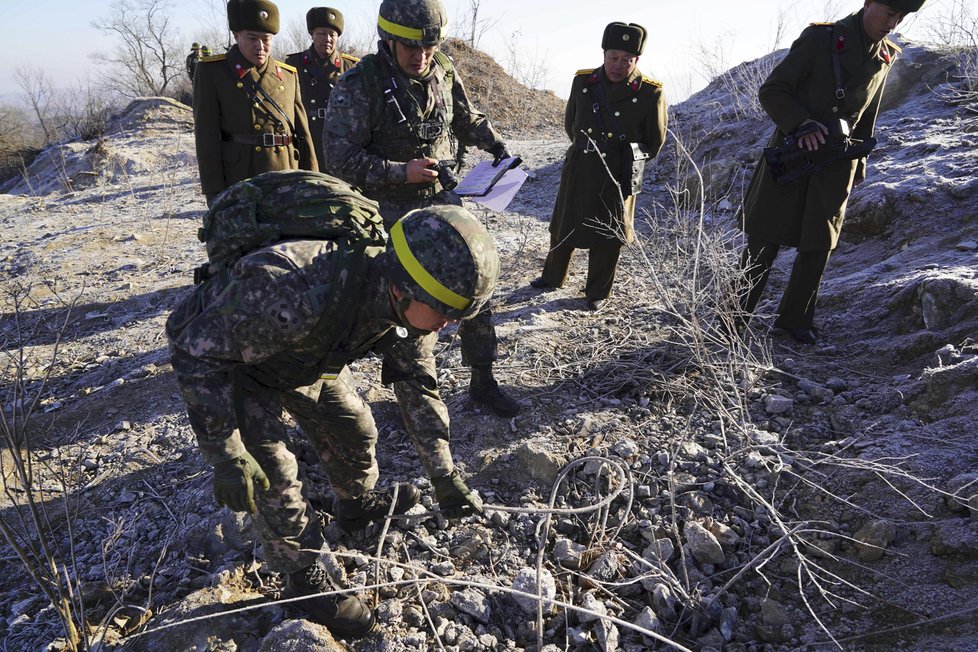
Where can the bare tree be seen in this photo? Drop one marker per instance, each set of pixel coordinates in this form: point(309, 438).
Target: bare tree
point(477, 27)
point(148, 58)
point(38, 94)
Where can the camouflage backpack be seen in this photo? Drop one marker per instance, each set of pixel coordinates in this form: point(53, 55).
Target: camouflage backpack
point(286, 205)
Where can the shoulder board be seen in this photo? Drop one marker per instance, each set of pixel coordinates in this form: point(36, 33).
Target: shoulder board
point(213, 57)
point(653, 82)
point(821, 24)
point(350, 57)
point(892, 45)
point(585, 71)
point(287, 67)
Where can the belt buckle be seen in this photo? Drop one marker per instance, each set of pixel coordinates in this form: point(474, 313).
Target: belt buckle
point(321, 112)
point(268, 140)
point(840, 94)
point(590, 146)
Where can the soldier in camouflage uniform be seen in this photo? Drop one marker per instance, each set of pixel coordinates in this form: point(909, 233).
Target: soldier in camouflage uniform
point(320, 68)
point(389, 123)
point(250, 342)
point(248, 113)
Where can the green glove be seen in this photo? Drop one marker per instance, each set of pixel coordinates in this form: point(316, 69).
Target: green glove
point(454, 498)
point(234, 483)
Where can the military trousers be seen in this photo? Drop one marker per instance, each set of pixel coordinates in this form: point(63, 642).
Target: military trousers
point(477, 335)
point(602, 264)
point(797, 307)
point(341, 429)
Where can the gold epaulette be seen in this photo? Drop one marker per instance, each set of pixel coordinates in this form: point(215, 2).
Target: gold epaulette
point(584, 71)
point(821, 24)
point(282, 64)
point(213, 57)
point(654, 82)
point(893, 45)
point(350, 57)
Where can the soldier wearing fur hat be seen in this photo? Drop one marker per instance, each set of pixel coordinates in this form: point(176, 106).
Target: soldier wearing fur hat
point(320, 68)
point(248, 112)
point(615, 118)
point(830, 85)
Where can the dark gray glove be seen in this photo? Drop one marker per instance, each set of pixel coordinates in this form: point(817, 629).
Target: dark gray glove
point(499, 152)
point(454, 498)
point(234, 483)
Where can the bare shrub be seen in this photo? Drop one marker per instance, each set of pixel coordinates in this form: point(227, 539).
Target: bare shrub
point(956, 33)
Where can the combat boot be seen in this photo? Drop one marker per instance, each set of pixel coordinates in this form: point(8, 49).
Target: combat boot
point(344, 615)
point(485, 390)
point(355, 513)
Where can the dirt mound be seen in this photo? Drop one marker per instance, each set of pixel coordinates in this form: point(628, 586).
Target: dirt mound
point(514, 109)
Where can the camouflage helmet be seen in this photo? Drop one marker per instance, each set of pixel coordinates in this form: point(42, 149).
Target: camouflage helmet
point(443, 257)
point(419, 23)
point(195, 46)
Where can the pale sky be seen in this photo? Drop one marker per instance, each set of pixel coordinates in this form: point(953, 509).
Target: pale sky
point(553, 38)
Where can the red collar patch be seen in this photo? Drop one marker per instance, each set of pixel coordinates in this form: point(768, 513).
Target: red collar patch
point(336, 62)
point(635, 85)
point(840, 43)
point(278, 72)
point(885, 54)
point(593, 79)
point(240, 70)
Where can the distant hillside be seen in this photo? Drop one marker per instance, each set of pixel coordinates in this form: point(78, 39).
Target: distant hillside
point(512, 107)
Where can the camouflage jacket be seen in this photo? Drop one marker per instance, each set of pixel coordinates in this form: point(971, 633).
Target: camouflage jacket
point(267, 312)
point(368, 143)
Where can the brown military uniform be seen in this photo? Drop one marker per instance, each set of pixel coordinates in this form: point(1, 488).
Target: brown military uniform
point(317, 77)
point(589, 212)
point(808, 213)
point(238, 132)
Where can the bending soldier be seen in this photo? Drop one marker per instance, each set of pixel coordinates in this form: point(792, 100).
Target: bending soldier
point(833, 77)
point(320, 68)
point(388, 131)
point(616, 119)
point(248, 114)
point(259, 338)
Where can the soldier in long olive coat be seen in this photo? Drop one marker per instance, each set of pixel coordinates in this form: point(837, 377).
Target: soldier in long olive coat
point(320, 68)
point(595, 210)
point(239, 130)
point(807, 213)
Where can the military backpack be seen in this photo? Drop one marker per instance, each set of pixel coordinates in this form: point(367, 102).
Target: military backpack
point(286, 205)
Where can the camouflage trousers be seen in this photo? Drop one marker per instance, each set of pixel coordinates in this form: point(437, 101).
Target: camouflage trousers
point(477, 335)
point(339, 426)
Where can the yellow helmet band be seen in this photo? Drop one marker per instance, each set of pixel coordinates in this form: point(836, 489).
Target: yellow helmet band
point(420, 275)
point(409, 33)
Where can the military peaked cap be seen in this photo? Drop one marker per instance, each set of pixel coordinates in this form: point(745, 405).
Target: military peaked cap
point(619, 36)
point(256, 15)
point(324, 17)
point(904, 5)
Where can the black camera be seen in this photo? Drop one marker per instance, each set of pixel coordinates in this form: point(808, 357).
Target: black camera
point(446, 176)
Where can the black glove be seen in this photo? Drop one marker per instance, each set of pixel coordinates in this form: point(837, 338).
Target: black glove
point(234, 483)
point(454, 498)
point(499, 152)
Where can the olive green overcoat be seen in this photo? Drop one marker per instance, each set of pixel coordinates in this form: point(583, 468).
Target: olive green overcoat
point(317, 77)
point(808, 213)
point(223, 109)
point(589, 208)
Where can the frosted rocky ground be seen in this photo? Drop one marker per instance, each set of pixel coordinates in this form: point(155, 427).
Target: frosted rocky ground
point(892, 387)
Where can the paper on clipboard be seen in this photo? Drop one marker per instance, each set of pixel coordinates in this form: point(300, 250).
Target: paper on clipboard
point(480, 179)
point(503, 191)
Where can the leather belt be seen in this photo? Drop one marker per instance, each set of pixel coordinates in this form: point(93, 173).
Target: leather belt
point(266, 139)
point(599, 144)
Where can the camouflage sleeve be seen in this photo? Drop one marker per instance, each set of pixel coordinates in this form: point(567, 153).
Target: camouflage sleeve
point(470, 125)
point(410, 366)
point(222, 327)
point(347, 133)
point(780, 91)
point(207, 130)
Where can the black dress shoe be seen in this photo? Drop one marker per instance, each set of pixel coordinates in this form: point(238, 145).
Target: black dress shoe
point(540, 284)
point(803, 335)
